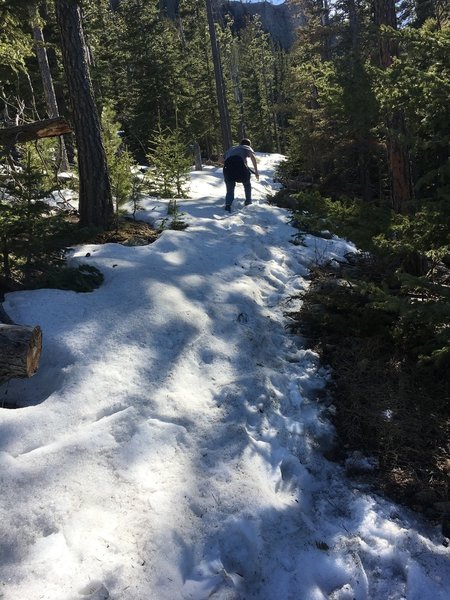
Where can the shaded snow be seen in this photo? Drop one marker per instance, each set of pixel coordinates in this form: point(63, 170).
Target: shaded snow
point(170, 445)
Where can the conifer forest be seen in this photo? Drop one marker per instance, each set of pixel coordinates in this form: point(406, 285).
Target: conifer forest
point(356, 100)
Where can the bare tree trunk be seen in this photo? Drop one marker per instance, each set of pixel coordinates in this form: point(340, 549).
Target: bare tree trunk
point(197, 157)
point(220, 85)
point(327, 42)
point(362, 136)
point(95, 200)
point(397, 152)
point(47, 81)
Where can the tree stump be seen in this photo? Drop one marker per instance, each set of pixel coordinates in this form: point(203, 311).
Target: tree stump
point(20, 351)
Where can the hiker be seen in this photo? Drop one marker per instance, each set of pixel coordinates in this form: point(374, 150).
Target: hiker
point(235, 170)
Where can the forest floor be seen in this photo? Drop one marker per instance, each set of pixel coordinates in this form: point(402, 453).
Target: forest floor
point(130, 232)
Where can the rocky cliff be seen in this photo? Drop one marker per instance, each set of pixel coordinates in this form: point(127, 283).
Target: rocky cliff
point(279, 20)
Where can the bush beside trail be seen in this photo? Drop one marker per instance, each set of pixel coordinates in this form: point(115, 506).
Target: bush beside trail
point(380, 321)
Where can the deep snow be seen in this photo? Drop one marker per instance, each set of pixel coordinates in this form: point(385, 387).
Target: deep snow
point(170, 445)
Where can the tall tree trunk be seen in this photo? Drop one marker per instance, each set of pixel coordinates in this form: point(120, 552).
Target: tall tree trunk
point(363, 136)
point(328, 40)
point(220, 85)
point(47, 81)
point(197, 156)
point(397, 152)
point(235, 77)
point(95, 200)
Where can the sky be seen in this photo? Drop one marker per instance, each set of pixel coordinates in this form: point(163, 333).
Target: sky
point(171, 444)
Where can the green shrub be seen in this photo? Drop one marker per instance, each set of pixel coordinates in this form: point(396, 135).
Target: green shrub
point(170, 164)
point(84, 278)
point(119, 160)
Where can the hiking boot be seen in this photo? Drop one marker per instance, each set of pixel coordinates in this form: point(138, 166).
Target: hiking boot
point(247, 202)
point(227, 207)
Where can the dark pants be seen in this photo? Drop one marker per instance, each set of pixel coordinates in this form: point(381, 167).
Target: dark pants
point(230, 184)
point(235, 171)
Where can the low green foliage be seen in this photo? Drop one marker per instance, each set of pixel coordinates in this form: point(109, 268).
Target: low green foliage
point(390, 365)
point(33, 235)
point(175, 219)
point(26, 222)
point(408, 290)
point(84, 278)
point(381, 321)
point(138, 186)
point(352, 219)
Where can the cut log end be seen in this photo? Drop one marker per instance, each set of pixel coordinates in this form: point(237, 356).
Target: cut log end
point(34, 351)
point(20, 351)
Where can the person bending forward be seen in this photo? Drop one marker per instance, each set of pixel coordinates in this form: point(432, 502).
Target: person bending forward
point(235, 170)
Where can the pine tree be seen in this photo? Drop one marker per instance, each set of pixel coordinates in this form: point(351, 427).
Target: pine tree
point(169, 164)
point(25, 216)
point(198, 113)
point(335, 111)
point(140, 67)
point(258, 58)
point(15, 43)
point(119, 160)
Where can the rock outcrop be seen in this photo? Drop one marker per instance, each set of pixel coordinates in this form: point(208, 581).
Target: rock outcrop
point(280, 20)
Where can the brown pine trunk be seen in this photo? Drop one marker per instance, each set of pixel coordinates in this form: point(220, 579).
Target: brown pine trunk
point(95, 200)
point(362, 136)
point(399, 165)
point(397, 152)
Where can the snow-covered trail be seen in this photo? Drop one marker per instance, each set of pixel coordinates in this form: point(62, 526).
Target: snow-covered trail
point(170, 444)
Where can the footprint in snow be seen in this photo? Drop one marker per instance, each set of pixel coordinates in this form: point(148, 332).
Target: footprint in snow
point(207, 356)
point(239, 547)
point(94, 590)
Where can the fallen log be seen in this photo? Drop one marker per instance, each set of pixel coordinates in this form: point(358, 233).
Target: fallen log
point(20, 349)
point(27, 132)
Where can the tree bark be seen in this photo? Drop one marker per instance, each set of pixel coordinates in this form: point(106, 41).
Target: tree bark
point(362, 136)
point(20, 351)
point(397, 152)
point(34, 131)
point(47, 81)
point(220, 85)
point(197, 157)
point(95, 199)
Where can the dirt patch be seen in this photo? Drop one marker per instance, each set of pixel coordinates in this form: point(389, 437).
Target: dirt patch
point(129, 233)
